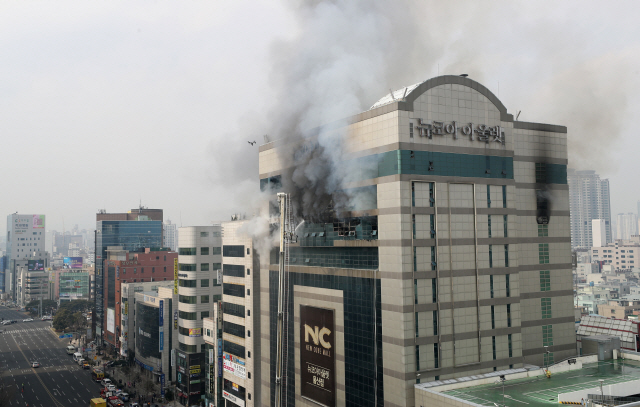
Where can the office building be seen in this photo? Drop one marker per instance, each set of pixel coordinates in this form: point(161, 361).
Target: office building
point(122, 266)
point(241, 330)
point(626, 225)
point(620, 254)
point(73, 285)
point(134, 230)
point(155, 336)
point(588, 200)
point(599, 232)
point(448, 261)
point(25, 240)
point(128, 293)
point(199, 259)
point(170, 235)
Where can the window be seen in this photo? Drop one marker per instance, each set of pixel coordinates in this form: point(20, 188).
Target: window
point(235, 290)
point(188, 283)
point(165, 269)
point(435, 323)
point(233, 329)
point(506, 225)
point(216, 250)
point(436, 363)
point(543, 253)
point(189, 316)
point(204, 251)
point(489, 225)
point(548, 358)
point(545, 307)
point(490, 256)
point(187, 251)
point(491, 286)
point(233, 309)
point(510, 346)
point(188, 299)
point(204, 299)
point(507, 284)
point(204, 314)
point(204, 282)
point(153, 269)
point(434, 290)
point(543, 230)
point(417, 357)
point(545, 280)
point(232, 270)
point(187, 267)
point(248, 252)
point(141, 270)
point(509, 315)
point(233, 251)
point(204, 234)
point(493, 317)
point(204, 266)
point(547, 335)
point(234, 349)
point(541, 173)
point(493, 345)
point(506, 255)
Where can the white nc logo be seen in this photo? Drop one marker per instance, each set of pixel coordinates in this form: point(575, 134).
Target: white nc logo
point(317, 336)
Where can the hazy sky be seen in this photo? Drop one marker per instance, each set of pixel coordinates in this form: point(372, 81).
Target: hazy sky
point(104, 105)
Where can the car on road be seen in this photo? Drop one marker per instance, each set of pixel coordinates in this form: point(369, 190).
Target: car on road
point(111, 387)
point(124, 396)
point(35, 364)
point(105, 382)
point(86, 365)
point(7, 322)
point(134, 404)
point(27, 320)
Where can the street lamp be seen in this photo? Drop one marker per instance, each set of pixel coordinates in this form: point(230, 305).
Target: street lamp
point(601, 392)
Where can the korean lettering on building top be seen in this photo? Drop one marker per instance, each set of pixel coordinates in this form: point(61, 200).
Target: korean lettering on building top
point(481, 132)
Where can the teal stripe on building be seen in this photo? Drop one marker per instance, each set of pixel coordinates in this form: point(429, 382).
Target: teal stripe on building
point(407, 162)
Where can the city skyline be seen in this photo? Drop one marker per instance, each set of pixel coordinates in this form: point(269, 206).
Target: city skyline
point(137, 86)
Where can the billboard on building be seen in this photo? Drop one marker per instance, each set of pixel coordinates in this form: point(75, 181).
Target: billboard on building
point(317, 355)
point(111, 320)
point(35, 265)
point(234, 365)
point(175, 275)
point(38, 222)
point(72, 263)
point(195, 332)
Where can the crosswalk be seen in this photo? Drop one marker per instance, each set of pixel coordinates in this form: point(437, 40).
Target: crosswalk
point(25, 330)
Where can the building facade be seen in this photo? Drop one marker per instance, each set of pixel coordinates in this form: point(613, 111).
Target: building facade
point(154, 335)
point(620, 254)
point(170, 235)
point(128, 293)
point(450, 261)
point(122, 266)
point(588, 200)
point(134, 230)
point(25, 241)
point(626, 226)
point(73, 285)
point(199, 258)
point(241, 330)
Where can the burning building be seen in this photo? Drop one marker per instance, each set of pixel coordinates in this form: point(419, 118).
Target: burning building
point(435, 244)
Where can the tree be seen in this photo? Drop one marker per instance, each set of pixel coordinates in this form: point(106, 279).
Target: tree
point(48, 306)
point(62, 319)
point(77, 306)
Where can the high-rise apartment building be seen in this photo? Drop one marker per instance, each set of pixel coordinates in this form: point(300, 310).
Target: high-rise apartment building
point(170, 235)
point(588, 200)
point(599, 232)
point(626, 225)
point(241, 328)
point(131, 231)
point(199, 258)
point(448, 260)
point(25, 241)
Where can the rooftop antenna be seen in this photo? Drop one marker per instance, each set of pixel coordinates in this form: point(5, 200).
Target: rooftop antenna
point(518, 115)
point(405, 93)
point(391, 93)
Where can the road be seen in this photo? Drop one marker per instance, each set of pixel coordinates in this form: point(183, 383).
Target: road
point(59, 382)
